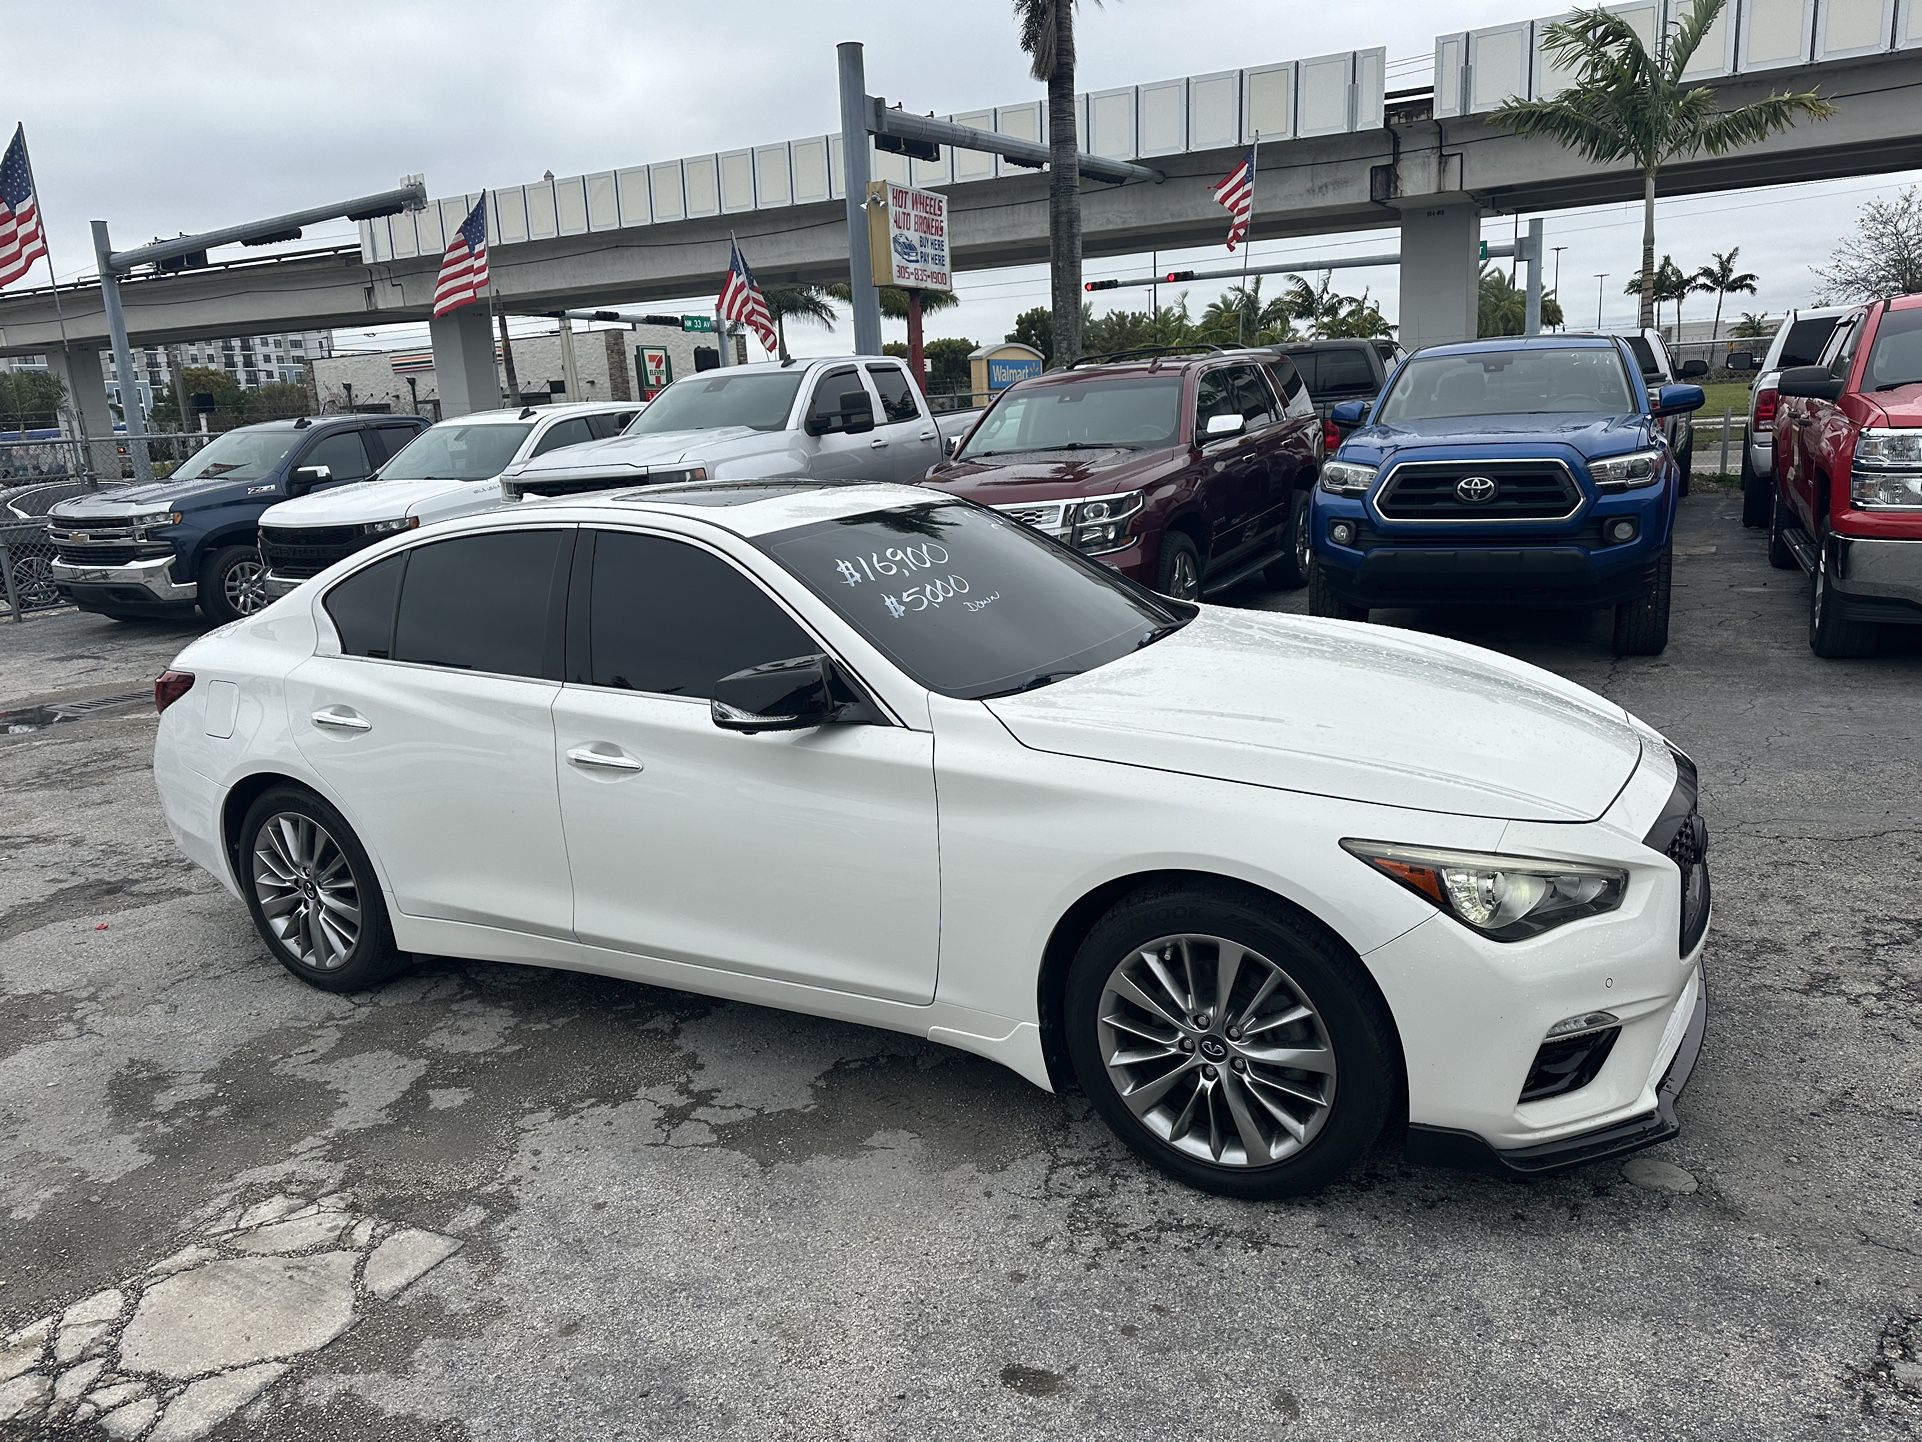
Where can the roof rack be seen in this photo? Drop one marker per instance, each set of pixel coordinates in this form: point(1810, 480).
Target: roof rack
point(1151, 352)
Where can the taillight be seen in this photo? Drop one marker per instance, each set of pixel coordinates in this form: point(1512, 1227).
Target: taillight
point(1765, 406)
point(1330, 437)
point(170, 686)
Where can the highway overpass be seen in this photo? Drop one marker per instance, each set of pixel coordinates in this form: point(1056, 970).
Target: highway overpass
point(1352, 162)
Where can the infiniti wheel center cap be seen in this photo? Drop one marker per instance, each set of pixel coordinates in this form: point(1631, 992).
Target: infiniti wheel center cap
point(1213, 1048)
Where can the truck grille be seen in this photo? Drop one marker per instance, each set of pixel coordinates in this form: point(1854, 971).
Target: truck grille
point(300, 552)
point(92, 554)
point(1043, 516)
point(1522, 491)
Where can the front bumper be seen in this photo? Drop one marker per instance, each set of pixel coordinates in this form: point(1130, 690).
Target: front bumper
point(1878, 580)
point(146, 584)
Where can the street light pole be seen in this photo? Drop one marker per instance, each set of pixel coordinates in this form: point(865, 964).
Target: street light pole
point(130, 407)
point(1558, 249)
point(1601, 278)
point(855, 119)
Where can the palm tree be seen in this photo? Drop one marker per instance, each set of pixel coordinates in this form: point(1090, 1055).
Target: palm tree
point(1242, 315)
point(1722, 279)
point(1670, 287)
point(1626, 104)
point(1047, 35)
point(1752, 326)
point(812, 303)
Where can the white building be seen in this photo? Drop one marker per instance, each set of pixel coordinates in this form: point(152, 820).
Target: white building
point(251, 361)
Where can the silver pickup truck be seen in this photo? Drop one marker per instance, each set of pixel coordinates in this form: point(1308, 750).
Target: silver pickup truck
point(857, 418)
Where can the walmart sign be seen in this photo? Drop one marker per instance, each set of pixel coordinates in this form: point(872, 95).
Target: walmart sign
point(1004, 373)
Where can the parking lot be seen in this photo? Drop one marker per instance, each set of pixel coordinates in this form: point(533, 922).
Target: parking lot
point(496, 1202)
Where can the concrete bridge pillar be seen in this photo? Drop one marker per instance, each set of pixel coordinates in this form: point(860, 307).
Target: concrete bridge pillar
point(78, 370)
point(464, 373)
point(1440, 272)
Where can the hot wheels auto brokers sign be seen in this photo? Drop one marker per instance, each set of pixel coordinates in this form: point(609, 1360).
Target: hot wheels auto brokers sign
point(909, 236)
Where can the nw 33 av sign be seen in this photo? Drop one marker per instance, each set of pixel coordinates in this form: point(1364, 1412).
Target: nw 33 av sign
point(908, 236)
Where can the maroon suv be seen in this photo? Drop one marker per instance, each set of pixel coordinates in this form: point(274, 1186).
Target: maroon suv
point(1185, 471)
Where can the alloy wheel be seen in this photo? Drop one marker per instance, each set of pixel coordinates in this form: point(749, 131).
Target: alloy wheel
point(1184, 578)
point(1302, 538)
point(306, 890)
point(1217, 1050)
point(245, 585)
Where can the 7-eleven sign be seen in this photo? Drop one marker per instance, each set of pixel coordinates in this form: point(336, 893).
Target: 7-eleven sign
point(657, 369)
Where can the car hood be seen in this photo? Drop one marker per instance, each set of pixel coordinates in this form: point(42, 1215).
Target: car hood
point(664, 448)
point(130, 500)
point(1590, 436)
point(1049, 475)
point(362, 501)
point(1337, 708)
point(1901, 407)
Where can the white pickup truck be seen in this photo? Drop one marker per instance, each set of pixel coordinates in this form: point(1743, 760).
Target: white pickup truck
point(450, 469)
point(852, 418)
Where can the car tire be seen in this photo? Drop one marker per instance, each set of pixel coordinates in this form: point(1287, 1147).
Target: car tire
point(1289, 571)
point(230, 583)
point(1179, 574)
point(1780, 556)
point(1259, 1129)
point(1755, 495)
point(1324, 601)
point(1686, 461)
point(313, 893)
point(1641, 624)
point(1831, 635)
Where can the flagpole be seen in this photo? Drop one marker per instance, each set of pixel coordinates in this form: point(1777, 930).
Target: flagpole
point(53, 279)
point(1248, 240)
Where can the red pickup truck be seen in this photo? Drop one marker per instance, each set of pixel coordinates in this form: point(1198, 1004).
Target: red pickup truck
point(1848, 477)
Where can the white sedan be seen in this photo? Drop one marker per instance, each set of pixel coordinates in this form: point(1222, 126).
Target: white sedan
point(1256, 883)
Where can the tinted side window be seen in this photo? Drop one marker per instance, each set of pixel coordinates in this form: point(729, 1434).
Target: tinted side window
point(342, 453)
point(480, 603)
point(669, 618)
point(1257, 401)
point(827, 394)
point(602, 427)
point(565, 433)
point(386, 442)
point(1345, 374)
point(1841, 347)
point(1214, 396)
point(1802, 346)
point(1282, 371)
point(896, 392)
point(362, 608)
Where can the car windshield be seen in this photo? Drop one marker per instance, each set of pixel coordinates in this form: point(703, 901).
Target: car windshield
point(759, 400)
point(970, 603)
point(240, 456)
point(451, 451)
point(1591, 380)
point(1132, 412)
point(1896, 358)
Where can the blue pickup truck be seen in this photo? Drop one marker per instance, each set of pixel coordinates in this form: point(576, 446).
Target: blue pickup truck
point(1523, 472)
point(191, 539)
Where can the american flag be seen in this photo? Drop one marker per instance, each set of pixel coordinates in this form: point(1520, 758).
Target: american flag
point(463, 269)
point(741, 300)
point(22, 241)
point(1237, 193)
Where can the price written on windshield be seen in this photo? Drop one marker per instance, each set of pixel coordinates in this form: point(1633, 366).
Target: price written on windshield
point(893, 562)
point(928, 595)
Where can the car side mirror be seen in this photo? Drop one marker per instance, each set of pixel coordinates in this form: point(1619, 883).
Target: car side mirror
point(1810, 383)
point(305, 478)
point(791, 695)
point(853, 414)
point(1740, 360)
point(1223, 425)
point(950, 444)
point(1679, 400)
point(1693, 370)
point(1349, 413)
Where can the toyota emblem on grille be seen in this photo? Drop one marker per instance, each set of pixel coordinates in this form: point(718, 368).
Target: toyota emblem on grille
point(1476, 490)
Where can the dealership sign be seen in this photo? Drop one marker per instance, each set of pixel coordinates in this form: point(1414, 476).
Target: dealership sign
point(908, 236)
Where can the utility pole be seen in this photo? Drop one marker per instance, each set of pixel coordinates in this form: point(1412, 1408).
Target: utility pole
point(1601, 278)
point(855, 117)
point(1558, 249)
point(507, 364)
point(570, 375)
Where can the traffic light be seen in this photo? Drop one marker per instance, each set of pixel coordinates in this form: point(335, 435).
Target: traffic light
point(913, 149)
point(1101, 285)
point(1175, 275)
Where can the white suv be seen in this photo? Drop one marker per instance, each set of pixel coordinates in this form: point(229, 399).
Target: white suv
point(450, 469)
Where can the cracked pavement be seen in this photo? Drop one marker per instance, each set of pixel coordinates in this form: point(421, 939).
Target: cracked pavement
point(493, 1202)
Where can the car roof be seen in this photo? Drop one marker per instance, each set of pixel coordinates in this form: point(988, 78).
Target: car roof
point(747, 508)
point(1561, 340)
point(306, 423)
point(1137, 365)
point(1906, 302)
point(508, 414)
point(798, 365)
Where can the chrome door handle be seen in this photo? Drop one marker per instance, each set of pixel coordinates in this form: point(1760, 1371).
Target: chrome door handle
point(877, 443)
point(603, 760)
point(341, 721)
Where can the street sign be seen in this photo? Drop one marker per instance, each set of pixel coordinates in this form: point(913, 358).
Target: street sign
point(697, 322)
point(657, 368)
point(1484, 254)
point(908, 237)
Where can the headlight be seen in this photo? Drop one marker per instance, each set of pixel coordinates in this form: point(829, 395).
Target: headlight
point(1101, 523)
point(386, 528)
point(1895, 449)
point(1505, 898)
point(675, 475)
point(150, 519)
point(1886, 488)
point(1625, 473)
point(1345, 478)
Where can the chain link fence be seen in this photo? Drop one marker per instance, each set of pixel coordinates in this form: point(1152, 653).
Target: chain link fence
point(26, 569)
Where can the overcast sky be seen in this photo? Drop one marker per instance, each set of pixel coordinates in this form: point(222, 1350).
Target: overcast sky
point(165, 117)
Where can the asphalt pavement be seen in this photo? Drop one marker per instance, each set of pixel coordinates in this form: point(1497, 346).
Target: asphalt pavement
point(493, 1202)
